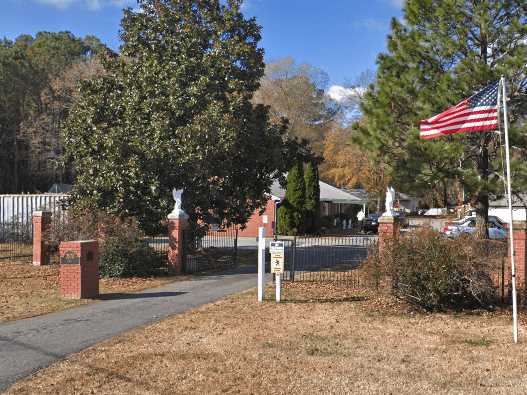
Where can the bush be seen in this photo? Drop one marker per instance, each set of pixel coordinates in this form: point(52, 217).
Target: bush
point(435, 272)
point(291, 211)
point(124, 257)
point(122, 246)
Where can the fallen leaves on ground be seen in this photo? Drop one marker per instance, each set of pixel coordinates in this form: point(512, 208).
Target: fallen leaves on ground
point(324, 338)
point(27, 290)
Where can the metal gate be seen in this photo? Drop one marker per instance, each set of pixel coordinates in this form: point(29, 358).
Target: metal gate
point(16, 222)
point(16, 240)
point(216, 250)
point(325, 258)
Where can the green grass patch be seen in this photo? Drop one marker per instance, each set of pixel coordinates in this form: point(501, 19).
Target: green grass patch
point(483, 342)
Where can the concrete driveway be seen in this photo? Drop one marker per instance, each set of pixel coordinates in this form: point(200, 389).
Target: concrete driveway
point(32, 344)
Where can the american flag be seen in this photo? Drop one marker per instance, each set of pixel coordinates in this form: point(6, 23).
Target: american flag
point(478, 113)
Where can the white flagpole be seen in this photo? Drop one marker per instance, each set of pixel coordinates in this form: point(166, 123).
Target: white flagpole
point(509, 197)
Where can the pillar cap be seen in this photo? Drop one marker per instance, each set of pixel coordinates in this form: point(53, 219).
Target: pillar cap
point(178, 214)
point(42, 213)
point(388, 220)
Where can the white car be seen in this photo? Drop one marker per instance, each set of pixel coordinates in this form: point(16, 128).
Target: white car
point(495, 230)
point(452, 226)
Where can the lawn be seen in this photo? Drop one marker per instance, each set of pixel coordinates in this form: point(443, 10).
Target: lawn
point(322, 339)
point(27, 290)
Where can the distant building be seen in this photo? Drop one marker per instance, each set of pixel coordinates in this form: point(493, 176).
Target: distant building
point(500, 208)
point(333, 202)
point(60, 188)
point(409, 203)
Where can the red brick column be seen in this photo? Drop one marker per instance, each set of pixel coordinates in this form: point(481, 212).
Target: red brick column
point(176, 228)
point(520, 244)
point(41, 226)
point(79, 269)
point(388, 231)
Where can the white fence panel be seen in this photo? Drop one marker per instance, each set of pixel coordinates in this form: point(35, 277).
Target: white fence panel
point(19, 208)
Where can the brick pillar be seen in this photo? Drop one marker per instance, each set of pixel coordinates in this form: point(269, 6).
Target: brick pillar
point(388, 230)
point(79, 269)
point(176, 227)
point(520, 243)
point(41, 226)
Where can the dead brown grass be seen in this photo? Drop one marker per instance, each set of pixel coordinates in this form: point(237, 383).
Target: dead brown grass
point(322, 339)
point(27, 290)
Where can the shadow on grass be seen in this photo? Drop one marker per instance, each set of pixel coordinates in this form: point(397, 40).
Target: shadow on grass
point(51, 357)
point(144, 295)
point(328, 300)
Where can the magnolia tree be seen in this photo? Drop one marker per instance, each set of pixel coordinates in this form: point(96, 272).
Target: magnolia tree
point(174, 110)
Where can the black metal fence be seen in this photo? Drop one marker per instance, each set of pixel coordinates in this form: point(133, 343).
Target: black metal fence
point(216, 250)
point(326, 258)
point(158, 243)
point(16, 240)
point(16, 222)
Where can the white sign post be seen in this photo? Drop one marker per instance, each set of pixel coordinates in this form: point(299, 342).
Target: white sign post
point(261, 263)
point(277, 265)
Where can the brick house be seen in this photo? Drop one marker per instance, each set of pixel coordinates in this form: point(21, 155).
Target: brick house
point(333, 201)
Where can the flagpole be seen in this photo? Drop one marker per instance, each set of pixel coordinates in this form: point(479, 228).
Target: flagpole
point(509, 198)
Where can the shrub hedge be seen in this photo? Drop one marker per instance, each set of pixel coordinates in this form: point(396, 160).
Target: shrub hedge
point(428, 269)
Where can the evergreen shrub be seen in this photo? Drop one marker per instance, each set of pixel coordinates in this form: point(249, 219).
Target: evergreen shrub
point(291, 212)
point(123, 249)
point(127, 257)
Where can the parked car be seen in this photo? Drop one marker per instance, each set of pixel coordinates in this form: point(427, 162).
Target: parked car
point(493, 220)
point(496, 231)
point(371, 223)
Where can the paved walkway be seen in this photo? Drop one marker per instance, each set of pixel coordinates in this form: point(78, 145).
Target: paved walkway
point(31, 344)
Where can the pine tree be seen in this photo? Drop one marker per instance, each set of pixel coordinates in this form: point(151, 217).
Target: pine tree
point(291, 212)
point(445, 51)
point(312, 203)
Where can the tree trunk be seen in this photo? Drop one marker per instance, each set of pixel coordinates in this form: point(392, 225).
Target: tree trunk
point(482, 202)
point(445, 193)
point(482, 209)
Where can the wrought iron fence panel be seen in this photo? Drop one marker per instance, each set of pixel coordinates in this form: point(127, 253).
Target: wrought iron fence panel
point(216, 250)
point(325, 258)
point(16, 222)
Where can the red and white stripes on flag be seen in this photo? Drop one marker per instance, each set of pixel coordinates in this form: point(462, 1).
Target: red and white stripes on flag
point(478, 113)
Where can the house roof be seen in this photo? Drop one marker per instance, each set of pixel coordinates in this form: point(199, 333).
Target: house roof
point(60, 188)
point(360, 194)
point(328, 193)
point(517, 201)
point(404, 196)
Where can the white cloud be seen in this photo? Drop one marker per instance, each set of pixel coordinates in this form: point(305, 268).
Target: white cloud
point(249, 5)
point(370, 24)
point(344, 95)
point(397, 3)
point(58, 3)
point(90, 4)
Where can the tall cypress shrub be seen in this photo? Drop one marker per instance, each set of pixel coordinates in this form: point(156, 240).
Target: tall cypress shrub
point(291, 212)
point(312, 202)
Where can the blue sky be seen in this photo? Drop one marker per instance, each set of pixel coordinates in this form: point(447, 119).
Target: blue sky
point(343, 37)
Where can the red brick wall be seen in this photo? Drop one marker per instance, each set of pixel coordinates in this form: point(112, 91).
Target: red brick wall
point(79, 281)
point(388, 230)
point(41, 225)
point(520, 243)
point(256, 221)
point(176, 228)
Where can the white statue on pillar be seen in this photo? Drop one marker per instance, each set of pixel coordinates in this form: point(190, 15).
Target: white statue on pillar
point(390, 198)
point(177, 212)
